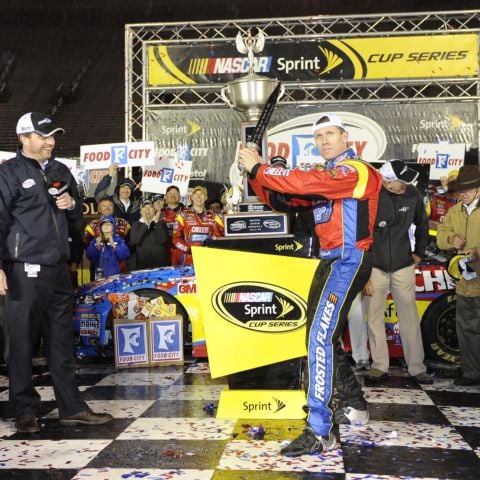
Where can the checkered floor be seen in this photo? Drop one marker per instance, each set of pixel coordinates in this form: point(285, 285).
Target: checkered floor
point(161, 430)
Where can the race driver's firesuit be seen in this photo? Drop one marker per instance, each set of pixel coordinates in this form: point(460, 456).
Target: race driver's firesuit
point(169, 215)
point(344, 198)
point(193, 229)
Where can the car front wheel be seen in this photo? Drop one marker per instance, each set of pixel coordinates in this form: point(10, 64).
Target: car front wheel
point(439, 329)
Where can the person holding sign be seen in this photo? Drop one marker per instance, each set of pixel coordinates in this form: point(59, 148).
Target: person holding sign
point(127, 206)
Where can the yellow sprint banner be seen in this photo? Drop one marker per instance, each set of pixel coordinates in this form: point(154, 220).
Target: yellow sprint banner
point(280, 404)
point(413, 56)
point(253, 307)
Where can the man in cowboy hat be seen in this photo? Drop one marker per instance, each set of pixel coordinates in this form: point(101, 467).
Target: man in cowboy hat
point(460, 232)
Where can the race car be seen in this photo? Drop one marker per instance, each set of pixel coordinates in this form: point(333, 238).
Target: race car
point(92, 317)
point(92, 313)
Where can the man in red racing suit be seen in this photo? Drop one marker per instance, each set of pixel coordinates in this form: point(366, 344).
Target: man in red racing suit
point(193, 226)
point(344, 198)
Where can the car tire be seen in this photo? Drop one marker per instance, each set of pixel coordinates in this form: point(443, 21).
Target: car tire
point(439, 330)
point(152, 293)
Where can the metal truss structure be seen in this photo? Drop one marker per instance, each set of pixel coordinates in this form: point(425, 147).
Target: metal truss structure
point(139, 97)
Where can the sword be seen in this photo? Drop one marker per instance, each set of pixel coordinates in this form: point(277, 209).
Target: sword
point(255, 139)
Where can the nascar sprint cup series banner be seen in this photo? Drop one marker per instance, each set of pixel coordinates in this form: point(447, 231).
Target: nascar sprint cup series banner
point(287, 60)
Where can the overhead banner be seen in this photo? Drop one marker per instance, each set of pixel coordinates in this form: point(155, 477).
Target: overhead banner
point(253, 308)
point(376, 132)
point(393, 57)
point(133, 154)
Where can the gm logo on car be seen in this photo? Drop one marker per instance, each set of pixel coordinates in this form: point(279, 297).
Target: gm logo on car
point(261, 307)
point(272, 224)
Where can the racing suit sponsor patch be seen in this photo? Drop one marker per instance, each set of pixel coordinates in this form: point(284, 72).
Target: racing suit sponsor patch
point(320, 355)
point(322, 211)
point(277, 171)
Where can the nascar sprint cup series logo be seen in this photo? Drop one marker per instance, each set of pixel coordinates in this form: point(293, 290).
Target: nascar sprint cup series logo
point(260, 307)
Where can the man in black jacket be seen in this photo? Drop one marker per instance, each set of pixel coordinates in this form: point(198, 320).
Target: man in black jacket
point(123, 192)
point(394, 260)
point(35, 208)
point(150, 237)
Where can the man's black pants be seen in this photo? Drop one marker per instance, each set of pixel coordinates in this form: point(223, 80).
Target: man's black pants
point(41, 305)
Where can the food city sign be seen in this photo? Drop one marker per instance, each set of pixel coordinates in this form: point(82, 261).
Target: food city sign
point(293, 139)
point(133, 154)
point(167, 172)
point(442, 157)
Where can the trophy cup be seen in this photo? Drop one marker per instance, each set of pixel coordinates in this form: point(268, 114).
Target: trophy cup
point(253, 97)
point(248, 95)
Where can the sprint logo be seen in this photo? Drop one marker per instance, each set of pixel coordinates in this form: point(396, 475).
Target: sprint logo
point(451, 122)
point(273, 406)
point(287, 307)
point(288, 247)
point(188, 130)
point(279, 404)
point(194, 128)
point(333, 60)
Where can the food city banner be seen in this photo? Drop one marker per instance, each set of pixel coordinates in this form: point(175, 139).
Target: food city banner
point(168, 171)
point(409, 56)
point(442, 157)
point(388, 130)
point(133, 154)
point(253, 307)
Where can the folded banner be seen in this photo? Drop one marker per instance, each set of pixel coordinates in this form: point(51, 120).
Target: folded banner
point(253, 308)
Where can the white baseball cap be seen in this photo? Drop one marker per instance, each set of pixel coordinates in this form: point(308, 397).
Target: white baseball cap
point(327, 120)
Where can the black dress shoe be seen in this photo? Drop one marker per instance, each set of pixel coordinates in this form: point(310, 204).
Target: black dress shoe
point(466, 381)
point(86, 417)
point(27, 424)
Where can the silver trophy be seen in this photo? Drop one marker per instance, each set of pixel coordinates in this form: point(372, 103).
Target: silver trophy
point(251, 97)
point(248, 95)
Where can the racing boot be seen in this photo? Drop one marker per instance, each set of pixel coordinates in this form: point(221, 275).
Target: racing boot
point(308, 443)
point(352, 416)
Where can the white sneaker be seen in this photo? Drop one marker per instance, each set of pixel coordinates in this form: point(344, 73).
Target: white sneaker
point(352, 416)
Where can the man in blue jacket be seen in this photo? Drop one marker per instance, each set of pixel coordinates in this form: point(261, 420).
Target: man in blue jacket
point(34, 214)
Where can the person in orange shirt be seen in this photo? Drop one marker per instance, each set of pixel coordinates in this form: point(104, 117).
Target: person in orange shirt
point(193, 226)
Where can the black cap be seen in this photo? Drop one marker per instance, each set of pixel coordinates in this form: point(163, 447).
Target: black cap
point(38, 123)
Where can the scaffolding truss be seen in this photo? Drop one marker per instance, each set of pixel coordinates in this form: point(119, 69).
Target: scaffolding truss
point(140, 98)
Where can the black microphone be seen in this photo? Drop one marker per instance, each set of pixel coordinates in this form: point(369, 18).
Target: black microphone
point(56, 187)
